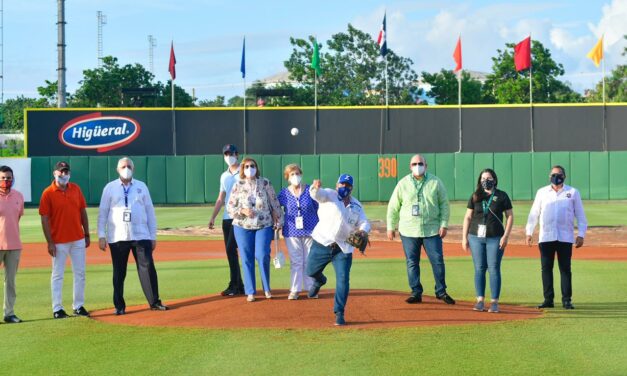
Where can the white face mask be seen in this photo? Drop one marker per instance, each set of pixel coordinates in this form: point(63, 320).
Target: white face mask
point(126, 173)
point(250, 172)
point(62, 179)
point(230, 160)
point(418, 170)
point(295, 180)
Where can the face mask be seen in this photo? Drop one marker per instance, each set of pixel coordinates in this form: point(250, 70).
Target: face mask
point(230, 160)
point(295, 180)
point(250, 172)
point(557, 179)
point(418, 170)
point(343, 192)
point(487, 184)
point(126, 173)
point(6, 184)
point(62, 179)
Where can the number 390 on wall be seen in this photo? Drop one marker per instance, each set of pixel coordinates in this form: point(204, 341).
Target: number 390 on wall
point(387, 167)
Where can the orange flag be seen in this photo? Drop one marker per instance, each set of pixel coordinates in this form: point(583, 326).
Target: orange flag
point(596, 53)
point(457, 55)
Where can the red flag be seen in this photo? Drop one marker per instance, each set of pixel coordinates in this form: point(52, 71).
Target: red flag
point(522, 54)
point(172, 67)
point(457, 55)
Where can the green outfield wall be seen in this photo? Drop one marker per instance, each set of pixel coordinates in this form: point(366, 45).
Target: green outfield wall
point(195, 179)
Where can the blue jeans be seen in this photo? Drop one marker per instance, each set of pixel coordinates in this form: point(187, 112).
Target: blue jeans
point(486, 255)
point(319, 257)
point(254, 244)
point(433, 249)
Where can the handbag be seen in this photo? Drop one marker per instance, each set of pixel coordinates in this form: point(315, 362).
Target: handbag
point(279, 257)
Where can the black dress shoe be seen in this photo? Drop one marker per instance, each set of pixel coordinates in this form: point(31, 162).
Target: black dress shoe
point(12, 319)
point(229, 291)
point(60, 314)
point(546, 304)
point(159, 307)
point(81, 312)
point(120, 312)
point(446, 298)
point(568, 305)
point(414, 299)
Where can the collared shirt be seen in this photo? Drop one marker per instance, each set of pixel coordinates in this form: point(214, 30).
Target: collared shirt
point(302, 206)
point(337, 221)
point(557, 212)
point(258, 195)
point(63, 209)
point(430, 195)
point(118, 199)
point(11, 210)
point(227, 179)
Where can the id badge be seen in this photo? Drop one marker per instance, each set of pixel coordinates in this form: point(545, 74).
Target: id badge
point(299, 223)
point(126, 216)
point(481, 231)
point(415, 210)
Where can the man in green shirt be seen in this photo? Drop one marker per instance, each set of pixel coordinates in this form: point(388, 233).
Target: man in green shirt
point(419, 207)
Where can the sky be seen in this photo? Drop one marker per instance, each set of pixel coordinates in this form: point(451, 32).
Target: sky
point(208, 36)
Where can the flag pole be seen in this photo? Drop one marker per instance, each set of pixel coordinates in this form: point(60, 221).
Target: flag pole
point(315, 138)
point(531, 94)
point(459, 104)
point(604, 106)
point(244, 123)
point(173, 112)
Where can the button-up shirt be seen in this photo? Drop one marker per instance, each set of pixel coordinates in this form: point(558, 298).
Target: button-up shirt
point(557, 212)
point(11, 210)
point(118, 198)
point(430, 195)
point(337, 221)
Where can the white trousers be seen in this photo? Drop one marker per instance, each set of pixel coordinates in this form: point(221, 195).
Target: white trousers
point(76, 251)
point(11, 260)
point(298, 248)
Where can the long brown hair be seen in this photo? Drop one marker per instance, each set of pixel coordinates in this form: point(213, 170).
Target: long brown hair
point(479, 194)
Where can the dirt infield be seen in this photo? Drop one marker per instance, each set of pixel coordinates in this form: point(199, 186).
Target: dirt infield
point(366, 309)
point(36, 255)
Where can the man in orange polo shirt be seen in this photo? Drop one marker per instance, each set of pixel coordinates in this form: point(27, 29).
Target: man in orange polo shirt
point(11, 210)
point(66, 228)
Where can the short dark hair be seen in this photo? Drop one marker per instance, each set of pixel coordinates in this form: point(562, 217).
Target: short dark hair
point(6, 169)
point(561, 168)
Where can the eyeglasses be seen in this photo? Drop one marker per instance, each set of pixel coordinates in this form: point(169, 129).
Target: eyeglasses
point(417, 164)
point(250, 166)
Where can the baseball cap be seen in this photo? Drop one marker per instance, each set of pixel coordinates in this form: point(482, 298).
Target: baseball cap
point(61, 165)
point(229, 148)
point(345, 178)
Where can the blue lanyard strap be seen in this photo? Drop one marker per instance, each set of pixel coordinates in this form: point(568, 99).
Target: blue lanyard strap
point(126, 191)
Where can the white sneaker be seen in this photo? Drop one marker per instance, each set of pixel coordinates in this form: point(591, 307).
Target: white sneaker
point(293, 296)
point(250, 298)
point(268, 295)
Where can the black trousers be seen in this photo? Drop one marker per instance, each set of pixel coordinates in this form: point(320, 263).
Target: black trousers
point(142, 252)
point(231, 254)
point(547, 257)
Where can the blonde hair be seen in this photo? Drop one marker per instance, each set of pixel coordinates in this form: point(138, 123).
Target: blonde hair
point(291, 168)
point(243, 163)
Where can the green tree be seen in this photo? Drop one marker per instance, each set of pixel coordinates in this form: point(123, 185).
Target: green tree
point(506, 85)
point(218, 102)
point(49, 92)
point(13, 111)
point(352, 72)
point(235, 101)
point(444, 87)
point(615, 85)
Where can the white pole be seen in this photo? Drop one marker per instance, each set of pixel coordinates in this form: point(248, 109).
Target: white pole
point(244, 122)
point(386, 80)
point(315, 138)
point(459, 103)
point(604, 125)
point(531, 106)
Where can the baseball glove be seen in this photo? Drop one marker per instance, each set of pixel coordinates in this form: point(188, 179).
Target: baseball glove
point(359, 239)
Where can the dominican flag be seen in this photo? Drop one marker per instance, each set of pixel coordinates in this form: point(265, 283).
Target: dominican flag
point(381, 41)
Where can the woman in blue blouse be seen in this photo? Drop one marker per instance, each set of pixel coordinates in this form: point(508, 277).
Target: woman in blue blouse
point(301, 216)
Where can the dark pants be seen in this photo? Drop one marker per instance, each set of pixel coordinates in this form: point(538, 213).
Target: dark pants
point(142, 252)
point(433, 249)
point(319, 257)
point(231, 254)
point(547, 257)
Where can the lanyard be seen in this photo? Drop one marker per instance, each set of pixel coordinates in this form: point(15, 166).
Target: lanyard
point(297, 199)
point(424, 181)
point(126, 191)
point(486, 207)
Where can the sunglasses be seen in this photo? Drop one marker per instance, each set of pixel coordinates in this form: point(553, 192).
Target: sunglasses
point(417, 164)
point(250, 166)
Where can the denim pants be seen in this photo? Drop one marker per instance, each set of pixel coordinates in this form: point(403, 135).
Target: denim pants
point(487, 256)
point(254, 244)
point(319, 257)
point(433, 249)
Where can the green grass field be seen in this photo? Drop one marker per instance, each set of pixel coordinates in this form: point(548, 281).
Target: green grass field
point(590, 340)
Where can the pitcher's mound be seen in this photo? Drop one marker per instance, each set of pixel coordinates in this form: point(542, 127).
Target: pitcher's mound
point(366, 309)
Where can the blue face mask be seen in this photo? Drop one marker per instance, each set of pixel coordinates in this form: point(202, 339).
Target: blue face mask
point(343, 192)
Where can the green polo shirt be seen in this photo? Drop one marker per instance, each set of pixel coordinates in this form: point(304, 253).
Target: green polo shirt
point(433, 203)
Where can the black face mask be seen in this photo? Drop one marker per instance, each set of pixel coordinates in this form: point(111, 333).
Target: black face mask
point(557, 179)
point(487, 184)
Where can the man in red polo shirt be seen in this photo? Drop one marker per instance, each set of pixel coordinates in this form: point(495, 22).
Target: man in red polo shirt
point(66, 228)
point(11, 210)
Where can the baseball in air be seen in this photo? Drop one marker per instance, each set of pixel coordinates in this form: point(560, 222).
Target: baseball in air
point(294, 131)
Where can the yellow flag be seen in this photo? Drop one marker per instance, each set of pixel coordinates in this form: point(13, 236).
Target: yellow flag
point(596, 53)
